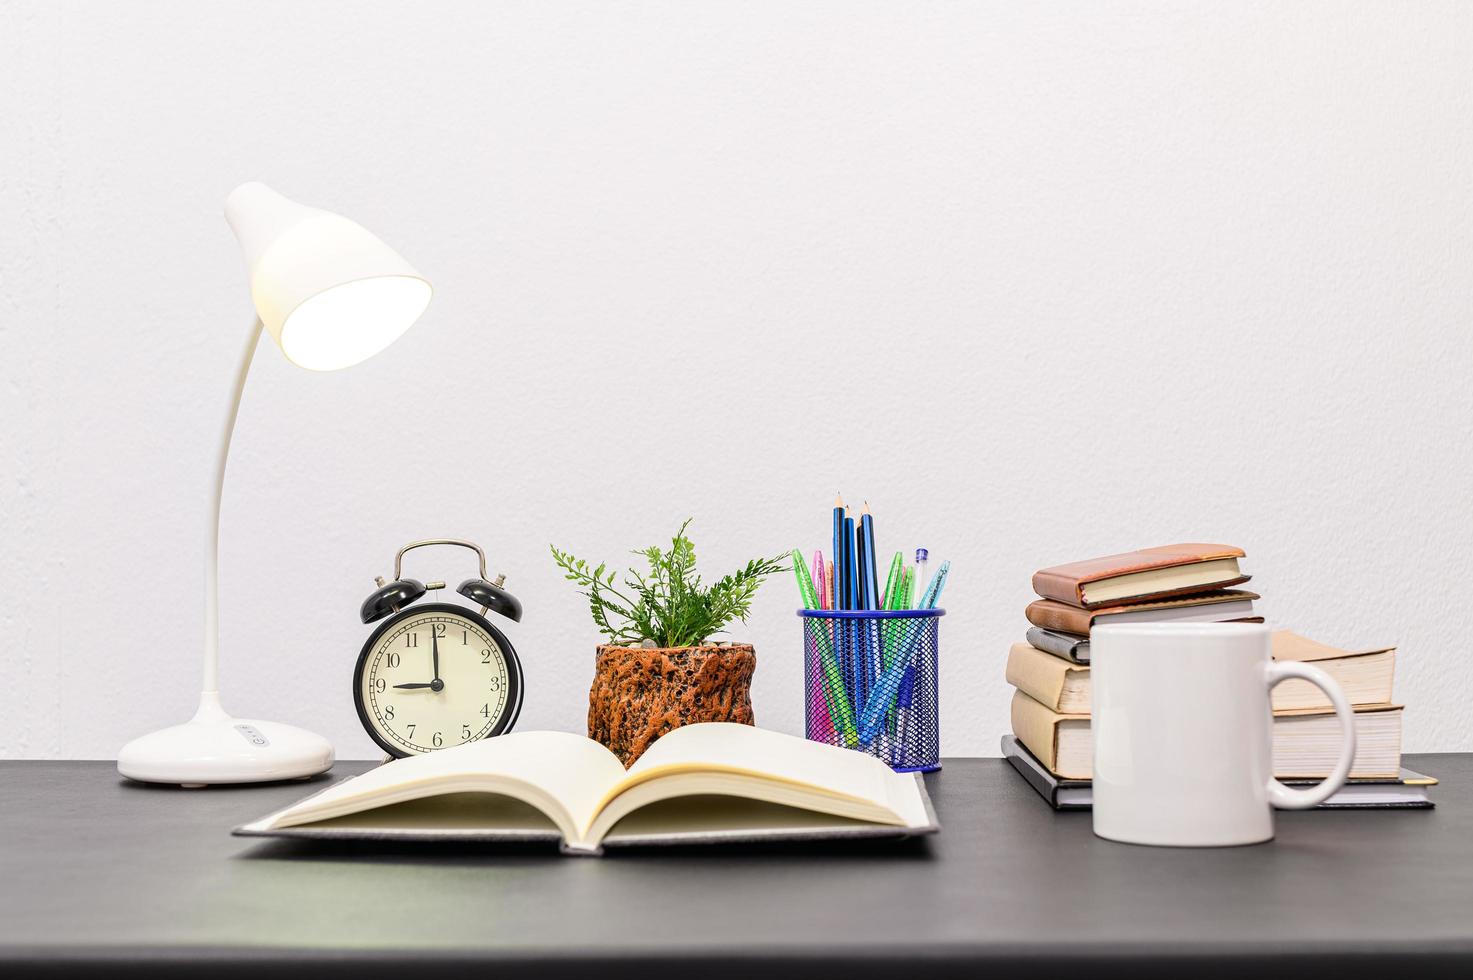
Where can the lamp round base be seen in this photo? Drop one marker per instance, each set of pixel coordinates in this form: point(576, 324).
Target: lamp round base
point(213, 748)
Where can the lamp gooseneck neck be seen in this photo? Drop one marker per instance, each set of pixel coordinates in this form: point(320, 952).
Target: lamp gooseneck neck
point(212, 539)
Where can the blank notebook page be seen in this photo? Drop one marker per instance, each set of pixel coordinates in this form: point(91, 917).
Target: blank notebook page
point(573, 770)
point(777, 756)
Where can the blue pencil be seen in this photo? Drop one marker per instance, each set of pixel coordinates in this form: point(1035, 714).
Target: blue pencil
point(870, 573)
point(841, 595)
point(851, 601)
point(863, 672)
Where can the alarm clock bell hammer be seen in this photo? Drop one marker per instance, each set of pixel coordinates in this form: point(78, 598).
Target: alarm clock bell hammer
point(392, 596)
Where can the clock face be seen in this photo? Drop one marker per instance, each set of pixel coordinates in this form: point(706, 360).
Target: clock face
point(436, 676)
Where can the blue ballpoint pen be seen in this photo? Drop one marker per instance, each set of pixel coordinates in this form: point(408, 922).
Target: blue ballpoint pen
point(887, 687)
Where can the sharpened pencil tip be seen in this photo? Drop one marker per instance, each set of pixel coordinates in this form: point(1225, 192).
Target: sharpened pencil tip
point(865, 512)
point(838, 499)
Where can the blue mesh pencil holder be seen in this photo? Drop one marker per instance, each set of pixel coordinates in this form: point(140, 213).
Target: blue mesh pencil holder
point(870, 683)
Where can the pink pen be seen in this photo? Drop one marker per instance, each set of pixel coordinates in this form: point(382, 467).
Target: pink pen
point(820, 719)
point(821, 583)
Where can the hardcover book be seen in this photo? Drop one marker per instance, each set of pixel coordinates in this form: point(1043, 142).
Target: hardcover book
point(1151, 573)
point(1223, 606)
point(708, 783)
point(1055, 683)
point(1407, 790)
point(1306, 741)
point(1365, 676)
point(1067, 646)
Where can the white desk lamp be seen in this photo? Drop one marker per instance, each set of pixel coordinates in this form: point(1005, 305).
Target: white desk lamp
point(331, 295)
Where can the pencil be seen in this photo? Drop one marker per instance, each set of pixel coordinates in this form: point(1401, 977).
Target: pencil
point(870, 573)
point(851, 601)
point(838, 542)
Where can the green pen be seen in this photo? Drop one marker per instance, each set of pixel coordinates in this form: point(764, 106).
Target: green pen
point(897, 595)
point(806, 592)
point(892, 582)
point(839, 708)
point(894, 587)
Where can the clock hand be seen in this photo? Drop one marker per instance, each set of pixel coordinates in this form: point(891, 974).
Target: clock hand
point(404, 687)
point(435, 653)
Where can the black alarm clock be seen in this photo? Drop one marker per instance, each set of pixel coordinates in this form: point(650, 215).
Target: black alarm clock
point(436, 674)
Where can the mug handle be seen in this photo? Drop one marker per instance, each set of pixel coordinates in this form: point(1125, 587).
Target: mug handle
point(1282, 796)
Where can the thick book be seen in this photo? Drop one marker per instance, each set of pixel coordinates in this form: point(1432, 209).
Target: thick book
point(1306, 741)
point(707, 783)
point(1364, 675)
point(1067, 646)
point(1049, 680)
point(1407, 790)
point(1221, 606)
point(1151, 573)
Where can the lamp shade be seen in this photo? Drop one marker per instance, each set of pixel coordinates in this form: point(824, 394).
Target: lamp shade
point(327, 290)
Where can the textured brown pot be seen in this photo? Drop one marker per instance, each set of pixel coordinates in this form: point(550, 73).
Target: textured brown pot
point(640, 694)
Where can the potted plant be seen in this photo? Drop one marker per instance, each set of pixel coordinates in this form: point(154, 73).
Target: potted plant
point(660, 669)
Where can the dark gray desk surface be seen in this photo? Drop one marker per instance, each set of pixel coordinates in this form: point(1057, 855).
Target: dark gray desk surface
point(102, 876)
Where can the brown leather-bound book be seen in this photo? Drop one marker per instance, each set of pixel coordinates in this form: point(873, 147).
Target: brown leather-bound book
point(1136, 576)
point(1225, 605)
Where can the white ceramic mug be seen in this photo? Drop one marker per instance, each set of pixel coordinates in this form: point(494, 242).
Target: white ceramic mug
point(1182, 729)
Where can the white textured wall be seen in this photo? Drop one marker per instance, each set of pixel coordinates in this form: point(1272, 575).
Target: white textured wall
point(1039, 282)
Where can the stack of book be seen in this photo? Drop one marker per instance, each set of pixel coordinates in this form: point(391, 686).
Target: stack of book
point(1177, 583)
point(1050, 743)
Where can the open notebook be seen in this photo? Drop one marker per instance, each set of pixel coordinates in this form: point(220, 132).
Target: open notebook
point(706, 783)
